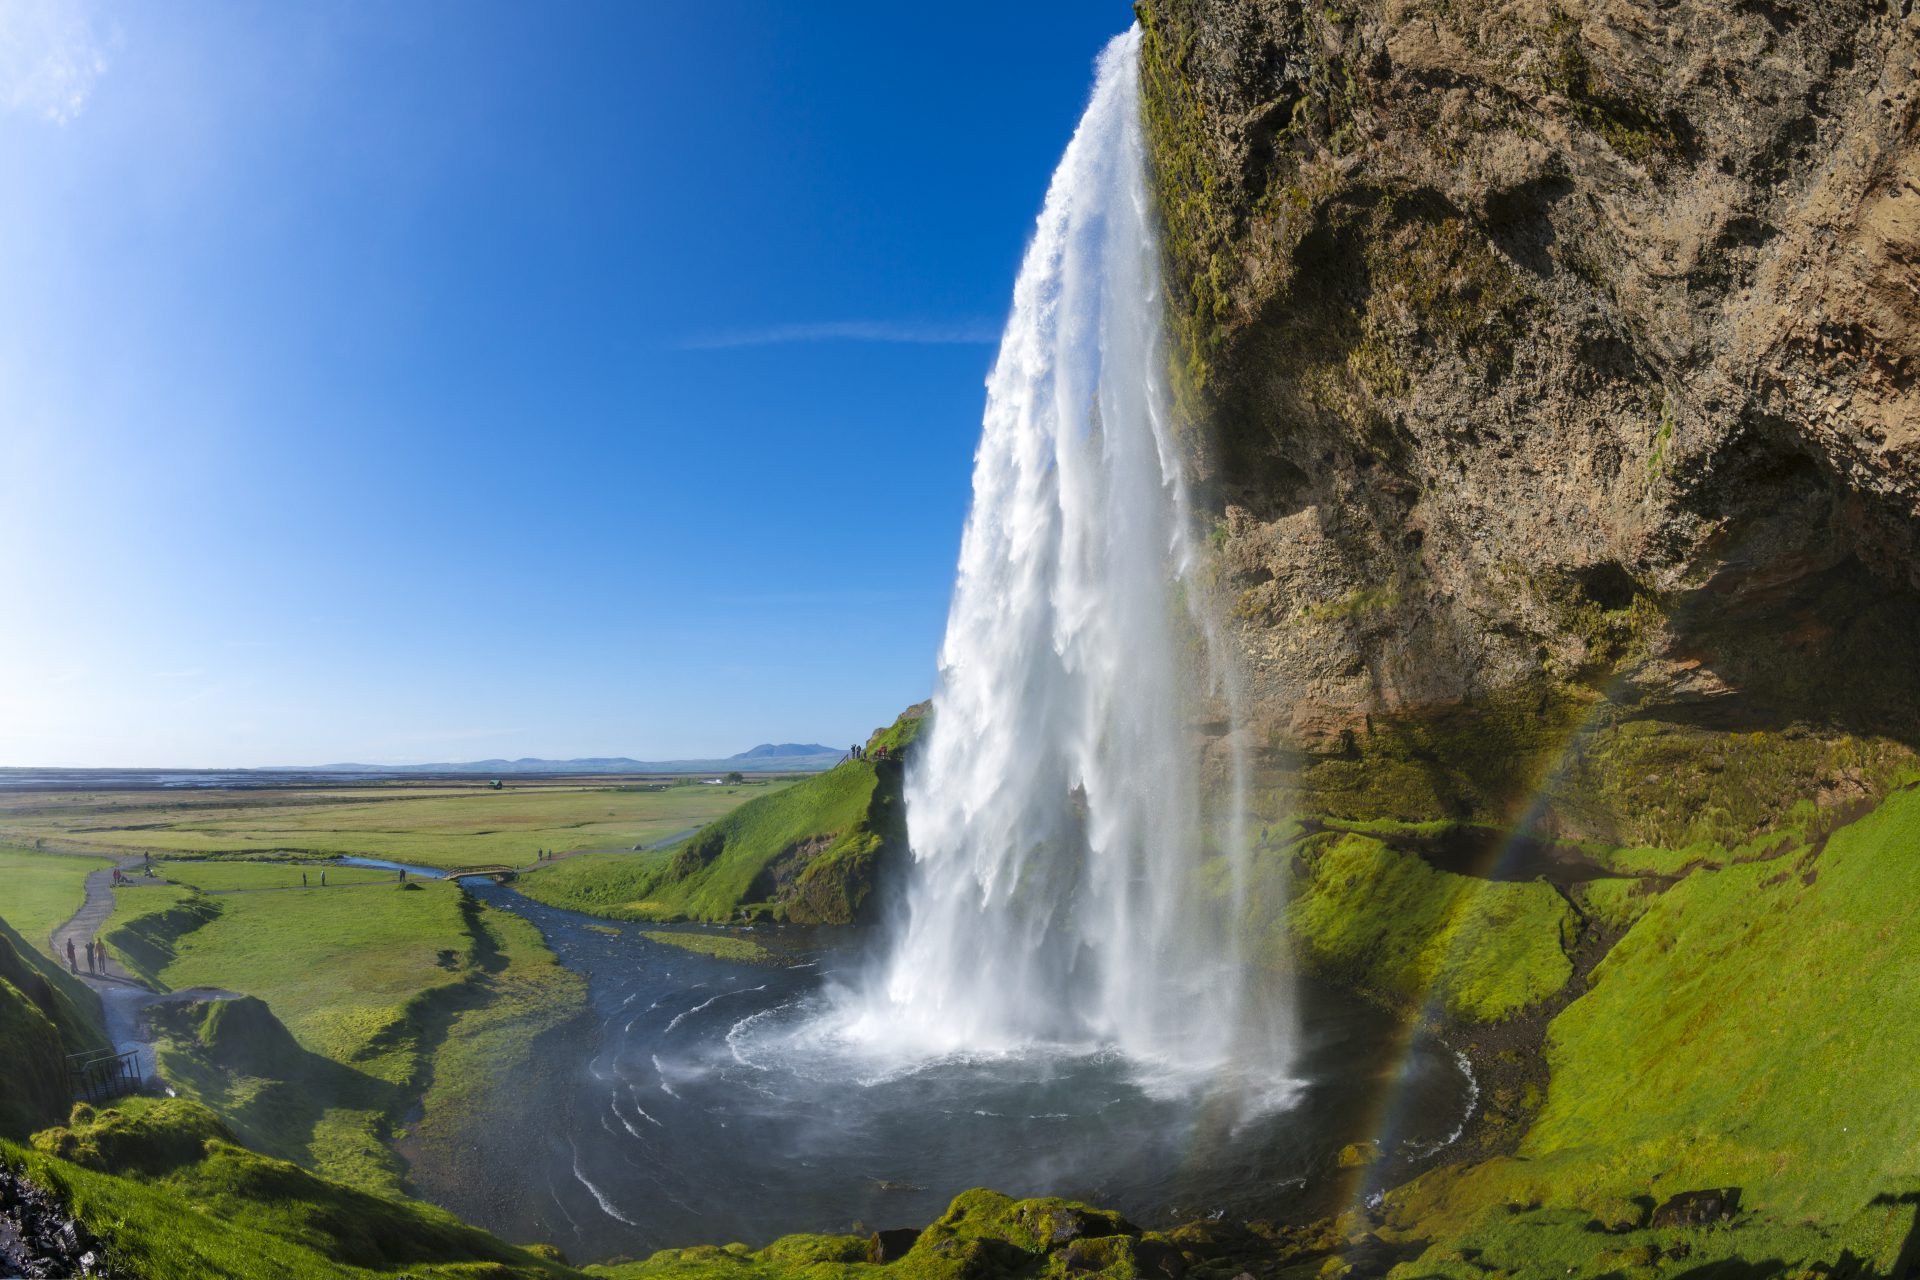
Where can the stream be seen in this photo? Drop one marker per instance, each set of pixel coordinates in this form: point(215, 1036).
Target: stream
point(704, 1107)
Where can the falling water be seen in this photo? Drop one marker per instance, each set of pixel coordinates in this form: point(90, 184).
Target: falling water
point(1075, 885)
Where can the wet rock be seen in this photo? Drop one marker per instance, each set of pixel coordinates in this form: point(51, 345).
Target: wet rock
point(1698, 1208)
point(888, 1246)
point(1358, 1155)
point(39, 1240)
point(977, 1259)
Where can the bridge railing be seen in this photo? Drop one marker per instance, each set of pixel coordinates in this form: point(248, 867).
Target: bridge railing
point(104, 1074)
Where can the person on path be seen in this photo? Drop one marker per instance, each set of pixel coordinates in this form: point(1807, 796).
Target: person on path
point(100, 955)
point(73, 966)
point(303, 879)
point(323, 879)
point(403, 875)
point(92, 959)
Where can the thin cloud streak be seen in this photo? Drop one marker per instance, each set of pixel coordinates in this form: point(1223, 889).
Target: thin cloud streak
point(973, 333)
point(51, 57)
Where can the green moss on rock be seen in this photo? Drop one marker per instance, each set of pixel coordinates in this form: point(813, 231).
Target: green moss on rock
point(1383, 921)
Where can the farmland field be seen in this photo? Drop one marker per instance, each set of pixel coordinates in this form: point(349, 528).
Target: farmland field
point(438, 824)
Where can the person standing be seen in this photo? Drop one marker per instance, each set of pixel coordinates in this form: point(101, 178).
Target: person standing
point(323, 879)
point(73, 966)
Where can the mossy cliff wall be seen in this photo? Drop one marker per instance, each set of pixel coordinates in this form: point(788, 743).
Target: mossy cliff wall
point(1549, 368)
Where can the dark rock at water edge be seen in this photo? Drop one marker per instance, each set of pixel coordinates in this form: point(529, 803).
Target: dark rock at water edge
point(40, 1240)
point(888, 1246)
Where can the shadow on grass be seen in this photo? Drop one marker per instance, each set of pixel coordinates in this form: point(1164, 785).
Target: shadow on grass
point(239, 1059)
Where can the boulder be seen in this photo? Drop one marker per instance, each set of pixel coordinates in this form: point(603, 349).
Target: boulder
point(890, 1246)
point(1698, 1208)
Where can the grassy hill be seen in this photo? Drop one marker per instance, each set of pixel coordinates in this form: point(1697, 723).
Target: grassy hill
point(45, 1014)
point(172, 1196)
point(812, 853)
point(367, 1001)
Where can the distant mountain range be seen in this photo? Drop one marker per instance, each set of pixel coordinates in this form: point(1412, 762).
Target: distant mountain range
point(768, 757)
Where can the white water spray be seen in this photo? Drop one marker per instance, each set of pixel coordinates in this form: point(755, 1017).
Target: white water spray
point(1075, 884)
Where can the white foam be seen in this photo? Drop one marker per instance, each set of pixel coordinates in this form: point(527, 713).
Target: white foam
point(599, 1197)
point(707, 1004)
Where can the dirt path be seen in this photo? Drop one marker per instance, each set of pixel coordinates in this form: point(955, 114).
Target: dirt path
point(123, 997)
point(85, 925)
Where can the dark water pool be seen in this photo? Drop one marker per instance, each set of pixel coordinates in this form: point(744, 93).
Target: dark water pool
point(704, 1108)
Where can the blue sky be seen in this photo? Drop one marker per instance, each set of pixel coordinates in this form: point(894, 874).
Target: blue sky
point(429, 381)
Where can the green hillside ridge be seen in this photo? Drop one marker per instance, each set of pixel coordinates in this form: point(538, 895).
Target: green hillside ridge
point(813, 853)
point(173, 1197)
point(45, 1014)
point(364, 1000)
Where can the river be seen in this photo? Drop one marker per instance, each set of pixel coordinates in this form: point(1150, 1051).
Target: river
point(702, 1108)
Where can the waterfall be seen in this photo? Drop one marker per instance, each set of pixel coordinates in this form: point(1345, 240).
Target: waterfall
point(1074, 882)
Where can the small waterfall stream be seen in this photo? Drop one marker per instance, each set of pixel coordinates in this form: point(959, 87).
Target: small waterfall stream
point(1075, 883)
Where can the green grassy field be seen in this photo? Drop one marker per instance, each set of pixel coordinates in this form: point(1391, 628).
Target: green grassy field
point(39, 892)
point(225, 876)
point(435, 826)
point(385, 994)
point(352, 973)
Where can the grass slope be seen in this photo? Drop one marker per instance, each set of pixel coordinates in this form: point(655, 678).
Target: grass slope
point(1757, 1027)
point(45, 1014)
point(175, 1199)
point(1386, 922)
point(42, 891)
point(369, 997)
point(810, 853)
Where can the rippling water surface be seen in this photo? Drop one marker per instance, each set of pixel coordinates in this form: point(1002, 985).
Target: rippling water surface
point(713, 1104)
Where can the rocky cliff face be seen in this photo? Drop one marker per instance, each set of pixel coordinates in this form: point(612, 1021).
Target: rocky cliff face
point(1552, 370)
